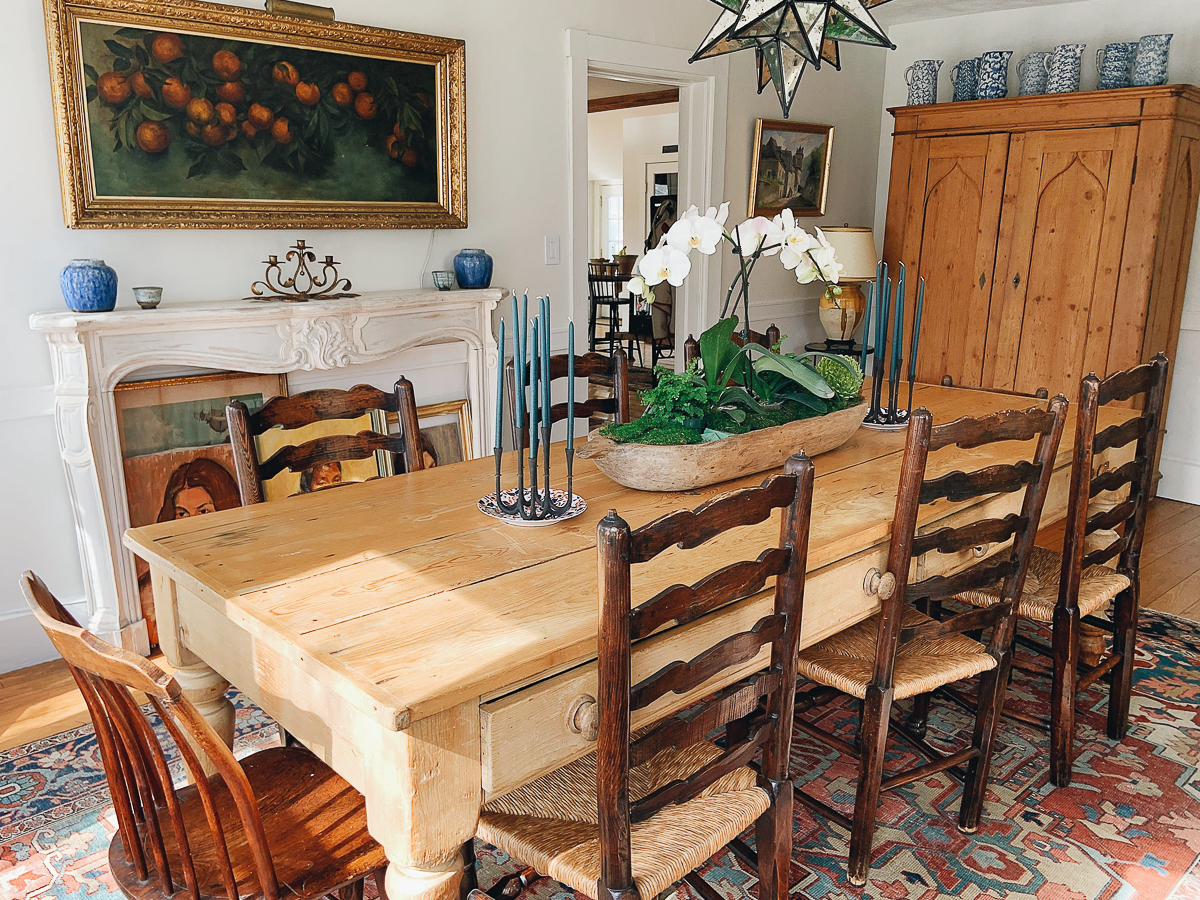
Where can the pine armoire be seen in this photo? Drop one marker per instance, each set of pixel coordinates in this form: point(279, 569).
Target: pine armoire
point(1054, 232)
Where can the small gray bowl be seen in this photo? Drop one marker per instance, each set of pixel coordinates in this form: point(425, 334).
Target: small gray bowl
point(147, 297)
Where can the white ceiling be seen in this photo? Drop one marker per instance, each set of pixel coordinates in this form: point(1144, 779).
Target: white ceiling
point(899, 11)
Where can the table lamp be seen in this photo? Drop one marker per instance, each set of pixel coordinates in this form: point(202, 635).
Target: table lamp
point(842, 312)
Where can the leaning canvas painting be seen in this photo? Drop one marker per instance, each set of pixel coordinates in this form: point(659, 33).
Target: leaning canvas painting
point(791, 168)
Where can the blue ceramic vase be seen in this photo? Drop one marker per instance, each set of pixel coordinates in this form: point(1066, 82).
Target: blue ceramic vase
point(473, 269)
point(88, 285)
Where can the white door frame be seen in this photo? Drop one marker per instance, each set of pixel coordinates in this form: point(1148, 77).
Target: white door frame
point(703, 98)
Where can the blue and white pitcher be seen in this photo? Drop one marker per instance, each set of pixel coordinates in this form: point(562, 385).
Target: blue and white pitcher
point(993, 74)
point(1065, 66)
point(1150, 63)
point(965, 78)
point(1033, 71)
point(1114, 62)
point(922, 80)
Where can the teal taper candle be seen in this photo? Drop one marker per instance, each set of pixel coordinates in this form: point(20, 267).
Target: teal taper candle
point(500, 389)
point(916, 339)
point(570, 382)
point(533, 395)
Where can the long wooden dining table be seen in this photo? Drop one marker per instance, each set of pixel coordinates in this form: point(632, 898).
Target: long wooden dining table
point(436, 657)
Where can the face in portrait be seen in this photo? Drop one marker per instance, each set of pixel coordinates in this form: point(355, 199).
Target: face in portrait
point(197, 488)
point(320, 476)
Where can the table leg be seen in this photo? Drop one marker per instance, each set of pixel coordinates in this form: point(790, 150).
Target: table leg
point(423, 797)
point(200, 684)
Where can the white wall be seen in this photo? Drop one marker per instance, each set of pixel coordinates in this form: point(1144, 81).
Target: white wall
point(642, 143)
point(518, 178)
point(1096, 22)
point(606, 136)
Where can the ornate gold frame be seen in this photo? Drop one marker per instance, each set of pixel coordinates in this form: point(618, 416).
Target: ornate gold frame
point(83, 209)
point(784, 125)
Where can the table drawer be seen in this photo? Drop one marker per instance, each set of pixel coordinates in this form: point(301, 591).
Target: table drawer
point(530, 732)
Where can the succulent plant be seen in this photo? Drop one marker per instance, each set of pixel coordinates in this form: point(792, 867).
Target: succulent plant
point(843, 374)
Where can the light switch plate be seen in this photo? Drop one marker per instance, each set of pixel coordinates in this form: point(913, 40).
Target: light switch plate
point(552, 256)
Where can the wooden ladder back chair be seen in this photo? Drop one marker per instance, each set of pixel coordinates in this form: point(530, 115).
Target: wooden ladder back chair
point(905, 651)
point(615, 367)
point(662, 800)
point(769, 339)
point(239, 833)
point(605, 287)
point(1068, 588)
point(318, 406)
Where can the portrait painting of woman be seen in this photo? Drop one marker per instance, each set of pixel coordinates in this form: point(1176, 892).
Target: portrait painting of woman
point(196, 488)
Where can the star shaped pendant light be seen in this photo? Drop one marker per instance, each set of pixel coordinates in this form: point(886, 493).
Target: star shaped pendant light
point(789, 35)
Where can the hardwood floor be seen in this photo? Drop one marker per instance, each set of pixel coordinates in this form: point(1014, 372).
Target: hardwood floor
point(42, 700)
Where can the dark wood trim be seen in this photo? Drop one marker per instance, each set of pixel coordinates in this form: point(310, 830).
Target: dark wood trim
point(633, 101)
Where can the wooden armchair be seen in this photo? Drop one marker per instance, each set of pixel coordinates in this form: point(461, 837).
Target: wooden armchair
point(278, 824)
point(1066, 589)
point(647, 808)
point(904, 651)
point(316, 406)
point(615, 366)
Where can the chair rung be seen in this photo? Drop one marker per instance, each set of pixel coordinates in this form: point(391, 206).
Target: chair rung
point(1094, 675)
point(837, 743)
point(818, 696)
point(701, 887)
point(957, 698)
point(1028, 719)
point(1030, 668)
point(822, 809)
point(1097, 622)
point(744, 852)
point(938, 765)
point(1043, 649)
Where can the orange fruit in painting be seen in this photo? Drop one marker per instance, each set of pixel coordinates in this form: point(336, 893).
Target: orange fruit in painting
point(424, 100)
point(285, 73)
point(213, 135)
point(280, 131)
point(357, 80)
point(342, 94)
point(230, 91)
point(308, 93)
point(200, 111)
point(249, 130)
point(364, 105)
point(226, 114)
point(193, 129)
point(410, 158)
point(176, 93)
point(113, 87)
point(153, 137)
point(226, 65)
point(389, 144)
point(137, 81)
point(166, 47)
point(259, 116)
point(230, 132)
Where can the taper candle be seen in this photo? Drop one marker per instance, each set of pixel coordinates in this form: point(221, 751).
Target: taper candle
point(898, 328)
point(916, 338)
point(881, 335)
point(545, 318)
point(533, 395)
point(866, 326)
point(518, 364)
point(570, 383)
point(500, 389)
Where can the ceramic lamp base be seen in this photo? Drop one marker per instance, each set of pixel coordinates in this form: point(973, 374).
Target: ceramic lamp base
point(842, 314)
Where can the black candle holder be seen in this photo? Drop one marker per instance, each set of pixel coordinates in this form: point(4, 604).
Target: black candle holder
point(892, 417)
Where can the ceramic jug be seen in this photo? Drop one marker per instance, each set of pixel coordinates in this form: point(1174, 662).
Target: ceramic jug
point(1033, 72)
point(1065, 66)
point(965, 78)
point(1150, 62)
point(922, 80)
point(1114, 62)
point(88, 285)
point(993, 74)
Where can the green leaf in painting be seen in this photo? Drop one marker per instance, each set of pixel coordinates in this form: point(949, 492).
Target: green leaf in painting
point(142, 56)
point(91, 72)
point(121, 65)
point(717, 349)
point(135, 33)
point(120, 51)
point(150, 112)
point(91, 92)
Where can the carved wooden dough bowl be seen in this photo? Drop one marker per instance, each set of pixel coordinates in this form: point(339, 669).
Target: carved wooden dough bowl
point(645, 467)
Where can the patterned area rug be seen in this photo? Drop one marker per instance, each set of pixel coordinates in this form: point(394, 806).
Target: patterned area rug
point(1128, 827)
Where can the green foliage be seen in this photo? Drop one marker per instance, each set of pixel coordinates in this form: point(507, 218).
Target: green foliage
point(678, 396)
point(717, 350)
point(652, 430)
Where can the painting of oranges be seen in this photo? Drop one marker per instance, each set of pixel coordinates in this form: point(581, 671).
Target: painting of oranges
point(186, 115)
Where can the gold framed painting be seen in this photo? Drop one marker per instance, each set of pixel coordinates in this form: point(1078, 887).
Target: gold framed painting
point(186, 114)
point(791, 168)
point(445, 432)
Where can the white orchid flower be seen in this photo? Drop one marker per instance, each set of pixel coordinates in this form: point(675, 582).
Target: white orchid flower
point(696, 232)
point(819, 262)
point(665, 264)
point(755, 234)
point(637, 285)
point(795, 241)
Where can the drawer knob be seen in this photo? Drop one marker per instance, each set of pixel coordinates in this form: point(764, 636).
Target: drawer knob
point(583, 718)
point(879, 583)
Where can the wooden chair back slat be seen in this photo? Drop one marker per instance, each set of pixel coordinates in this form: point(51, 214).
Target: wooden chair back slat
point(1110, 519)
point(959, 486)
point(980, 575)
point(1120, 435)
point(135, 762)
point(683, 603)
point(290, 413)
point(1125, 385)
point(679, 677)
point(951, 540)
point(761, 706)
point(1117, 478)
point(588, 366)
point(1006, 425)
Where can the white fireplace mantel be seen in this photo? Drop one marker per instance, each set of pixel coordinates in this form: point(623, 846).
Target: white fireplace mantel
point(93, 352)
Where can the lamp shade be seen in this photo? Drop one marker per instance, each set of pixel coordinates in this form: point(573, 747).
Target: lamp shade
point(855, 248)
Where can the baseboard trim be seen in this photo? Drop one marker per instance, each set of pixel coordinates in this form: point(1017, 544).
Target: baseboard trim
point(25, 643)
point(1180, 480)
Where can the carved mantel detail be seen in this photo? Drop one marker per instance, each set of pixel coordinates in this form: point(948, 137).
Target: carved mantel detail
point(91, 353)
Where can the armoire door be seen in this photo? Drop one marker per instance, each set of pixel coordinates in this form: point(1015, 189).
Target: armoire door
point(1059, 257)
point(951, 218)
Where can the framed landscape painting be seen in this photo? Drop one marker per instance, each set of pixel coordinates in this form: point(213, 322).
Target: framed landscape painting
point(791, 168)
point(191, 114)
